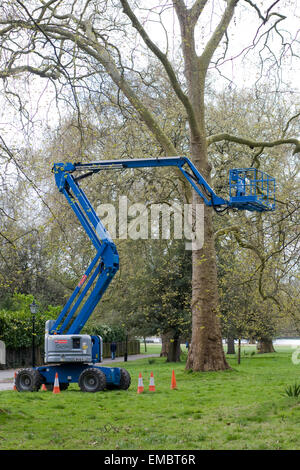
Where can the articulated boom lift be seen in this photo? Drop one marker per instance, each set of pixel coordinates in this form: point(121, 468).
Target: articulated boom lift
point(73, 355)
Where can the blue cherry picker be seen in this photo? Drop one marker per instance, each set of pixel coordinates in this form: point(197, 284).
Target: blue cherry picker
point(74, 356)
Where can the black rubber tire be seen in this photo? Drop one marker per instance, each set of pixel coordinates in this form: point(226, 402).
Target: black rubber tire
point(92, 380)
point(62, 387)
point(28, 380)
point(125, 380)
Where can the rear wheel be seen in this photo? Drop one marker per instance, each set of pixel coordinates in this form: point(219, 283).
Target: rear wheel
point(28, 380)
point(92, 380)
point(125, 379)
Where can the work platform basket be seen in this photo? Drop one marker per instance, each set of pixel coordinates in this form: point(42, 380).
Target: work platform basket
point(251, 189)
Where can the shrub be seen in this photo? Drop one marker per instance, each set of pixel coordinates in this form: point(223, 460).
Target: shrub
point(16, 322)
point(293, 390)
point(108, 333)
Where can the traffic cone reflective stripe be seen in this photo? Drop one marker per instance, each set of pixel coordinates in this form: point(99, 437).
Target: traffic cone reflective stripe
point(140, 384)
point(152, 385)
point(56, 384)
point(173, 381)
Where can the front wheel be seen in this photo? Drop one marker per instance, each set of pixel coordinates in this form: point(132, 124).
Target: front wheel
point(28, 380)
point(92, 380)
point(125, 379)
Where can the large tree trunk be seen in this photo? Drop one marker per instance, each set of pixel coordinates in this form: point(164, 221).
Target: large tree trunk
point(265, 345)
point(165, 344)
point(174, 350)
point(206, 351)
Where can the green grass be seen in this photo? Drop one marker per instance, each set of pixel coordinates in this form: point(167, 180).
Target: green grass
point(244, 408)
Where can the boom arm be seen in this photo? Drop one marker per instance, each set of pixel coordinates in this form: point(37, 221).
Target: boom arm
point(184, 164)
point(105, 264)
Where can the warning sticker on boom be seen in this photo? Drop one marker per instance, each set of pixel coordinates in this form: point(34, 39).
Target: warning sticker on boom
point(82, 280)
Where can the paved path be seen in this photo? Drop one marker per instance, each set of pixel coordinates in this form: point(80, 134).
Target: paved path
point(7, 376)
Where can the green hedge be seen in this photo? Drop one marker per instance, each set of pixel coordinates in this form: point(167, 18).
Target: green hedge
point(16, 322)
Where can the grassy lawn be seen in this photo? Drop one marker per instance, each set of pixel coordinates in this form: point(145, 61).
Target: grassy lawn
point(244, 408)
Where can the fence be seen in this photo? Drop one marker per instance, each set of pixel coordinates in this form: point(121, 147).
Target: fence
point(2, 352)
point(22, 357)
point(133, 347)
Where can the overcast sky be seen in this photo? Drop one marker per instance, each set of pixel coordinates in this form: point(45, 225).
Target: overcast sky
point(240, 69)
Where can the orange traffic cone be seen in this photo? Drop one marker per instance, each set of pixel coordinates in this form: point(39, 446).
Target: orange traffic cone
point(15, 388)
point(56, 384)
point(173, 381)
point(44, 387)
point(140, 384)
point(151, 385)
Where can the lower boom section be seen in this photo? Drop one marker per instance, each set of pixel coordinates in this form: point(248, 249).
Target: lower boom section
point(90, 378)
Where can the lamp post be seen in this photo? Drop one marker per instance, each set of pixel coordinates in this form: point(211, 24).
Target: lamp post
point(33, 309)
point(126, 348)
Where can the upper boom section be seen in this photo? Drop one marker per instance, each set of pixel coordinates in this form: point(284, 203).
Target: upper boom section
point(250, 189)
point(183, 163)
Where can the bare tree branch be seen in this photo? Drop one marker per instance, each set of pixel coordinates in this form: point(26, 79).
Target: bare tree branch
point(27, 68)
point(289, 122)
point(167, 65)
point(218, 34)
point(253, 143)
